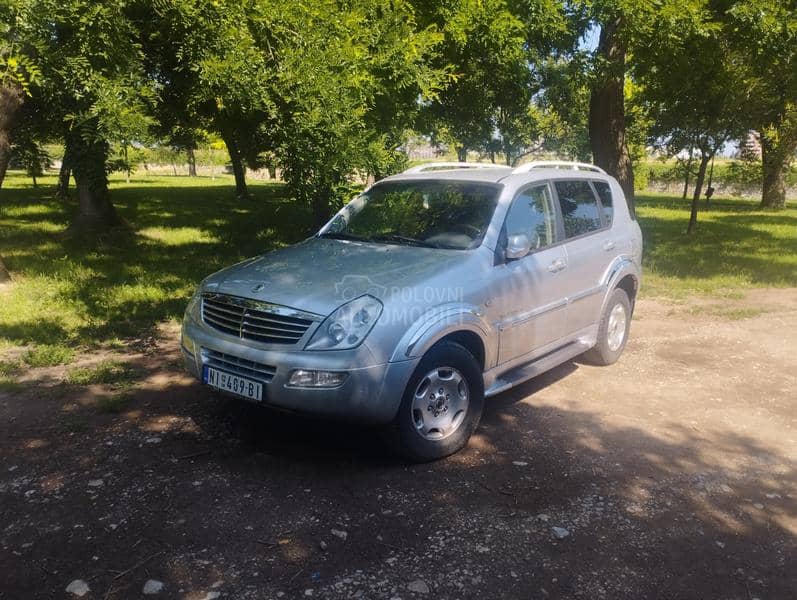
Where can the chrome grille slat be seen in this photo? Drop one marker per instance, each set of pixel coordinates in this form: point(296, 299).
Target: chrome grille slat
point(246, 329)
point(275, 323)
point(215, 306)
point(294, 321)
point(238, 366)
point(221, 326)
point(253, 320)
point(235, 323)
point(247, 322)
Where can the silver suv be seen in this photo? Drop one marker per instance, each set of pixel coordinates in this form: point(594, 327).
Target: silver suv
point(427, 293)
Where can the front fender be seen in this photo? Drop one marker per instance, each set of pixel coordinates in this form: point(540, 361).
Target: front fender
point(441, 321)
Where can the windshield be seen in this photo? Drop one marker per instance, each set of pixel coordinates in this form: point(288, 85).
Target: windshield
point(436, 214)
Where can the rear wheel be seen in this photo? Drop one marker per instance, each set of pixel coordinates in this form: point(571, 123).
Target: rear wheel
point(612, 331)
point(441, 407)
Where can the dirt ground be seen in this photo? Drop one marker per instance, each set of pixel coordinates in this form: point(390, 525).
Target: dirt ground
point(671, 474)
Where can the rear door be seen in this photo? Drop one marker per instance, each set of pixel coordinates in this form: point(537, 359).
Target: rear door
point(590, 250)
point(532, 304)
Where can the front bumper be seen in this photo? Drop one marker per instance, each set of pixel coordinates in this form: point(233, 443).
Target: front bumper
point(371, 392)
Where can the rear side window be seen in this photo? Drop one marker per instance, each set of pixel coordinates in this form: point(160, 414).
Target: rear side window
point(605, 194)
point(532, 213)
point(579, 207)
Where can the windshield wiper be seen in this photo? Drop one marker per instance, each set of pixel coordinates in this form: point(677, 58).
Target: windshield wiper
point(341, 235)
point(402, 239)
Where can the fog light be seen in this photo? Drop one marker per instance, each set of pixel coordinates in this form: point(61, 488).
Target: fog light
point(316, 379)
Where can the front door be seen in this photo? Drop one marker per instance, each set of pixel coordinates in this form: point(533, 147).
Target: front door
point(532, 302)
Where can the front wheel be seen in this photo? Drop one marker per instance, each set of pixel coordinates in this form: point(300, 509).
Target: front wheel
point(441, 406)
point(612, 331)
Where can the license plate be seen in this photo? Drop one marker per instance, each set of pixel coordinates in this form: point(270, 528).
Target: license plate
point(227, 382)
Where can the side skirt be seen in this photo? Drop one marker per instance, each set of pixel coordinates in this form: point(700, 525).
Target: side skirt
point(537, 366)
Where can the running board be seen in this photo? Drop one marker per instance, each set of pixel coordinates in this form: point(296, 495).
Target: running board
point(536, 367)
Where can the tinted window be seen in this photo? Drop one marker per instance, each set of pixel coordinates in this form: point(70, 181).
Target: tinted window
point(579, 207)
point(605, 194)
point(532, 213)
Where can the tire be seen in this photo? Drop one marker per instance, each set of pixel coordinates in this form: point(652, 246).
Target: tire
point(615, 324)
point(430, 425)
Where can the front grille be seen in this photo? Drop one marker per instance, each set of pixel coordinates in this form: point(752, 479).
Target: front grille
point(238, 366)
point(253, 320)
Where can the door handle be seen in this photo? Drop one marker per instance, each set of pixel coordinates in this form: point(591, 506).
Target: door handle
point(608, 245)
point(557, 265)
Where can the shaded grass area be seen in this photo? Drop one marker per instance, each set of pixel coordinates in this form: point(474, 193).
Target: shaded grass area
point(89, 292)
point(737, 246)
point(80, 292)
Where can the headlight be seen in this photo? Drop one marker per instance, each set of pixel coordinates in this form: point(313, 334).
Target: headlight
point(347, 326)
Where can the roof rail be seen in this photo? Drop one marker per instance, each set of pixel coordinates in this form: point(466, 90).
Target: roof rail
point(557, 164)
point(441, 166)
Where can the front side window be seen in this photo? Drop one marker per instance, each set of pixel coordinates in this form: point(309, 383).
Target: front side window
point(437, 214)
point(579, 207)
point(532, 214)
point(605, 194)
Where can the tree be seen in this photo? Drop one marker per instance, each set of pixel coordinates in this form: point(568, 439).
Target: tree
point(763, 36)
point(91, 84)
point(17, 73)
point(627, 28)
point(213, 75)
point(494, 50)
point(694, 94)
point(347, 91)
point(607, 126)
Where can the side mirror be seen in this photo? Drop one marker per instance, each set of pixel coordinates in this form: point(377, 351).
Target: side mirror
point(517, 246)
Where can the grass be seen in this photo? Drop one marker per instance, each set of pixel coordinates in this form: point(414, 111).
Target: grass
point(48, 355)
point(737, 247)
point(82, 292)
point(8, 372)
point(78, 293)
point(108, 372)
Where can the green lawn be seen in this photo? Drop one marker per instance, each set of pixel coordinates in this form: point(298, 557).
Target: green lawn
point(81, 293)
point(737, 246)
point(88, 292)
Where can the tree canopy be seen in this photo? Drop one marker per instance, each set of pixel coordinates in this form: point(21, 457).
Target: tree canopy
point(330, 91)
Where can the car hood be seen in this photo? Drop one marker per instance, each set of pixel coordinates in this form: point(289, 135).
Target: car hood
point(319, 275)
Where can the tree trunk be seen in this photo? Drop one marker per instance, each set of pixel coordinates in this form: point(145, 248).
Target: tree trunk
point(701, 175)
point(686, 185)
point(191, 161)
point(11, 99)
point(775, 161)
point(238, 168)
point(95, 210)
point(321, 210)
point(607, 111)
point(688, 169)
point(5, 276)
point(462, 154)
point(127, 164)
point(64, 174)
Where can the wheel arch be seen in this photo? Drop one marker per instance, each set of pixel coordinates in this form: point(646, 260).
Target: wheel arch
point(464, 326)
point(625, 275)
